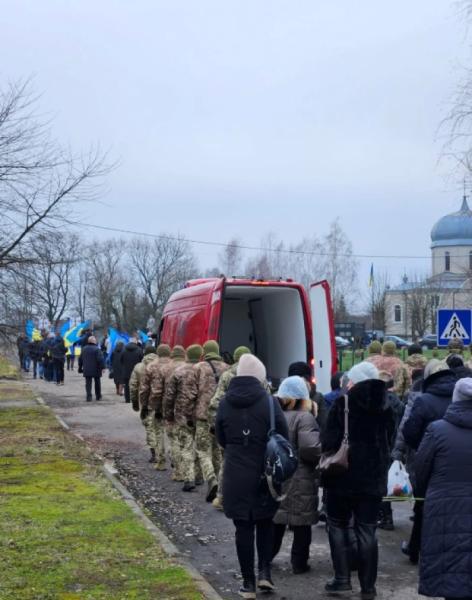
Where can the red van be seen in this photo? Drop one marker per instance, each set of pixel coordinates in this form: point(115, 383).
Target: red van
point(272, 318)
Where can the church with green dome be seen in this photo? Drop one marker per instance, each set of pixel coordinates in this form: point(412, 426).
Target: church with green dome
point(411, 307)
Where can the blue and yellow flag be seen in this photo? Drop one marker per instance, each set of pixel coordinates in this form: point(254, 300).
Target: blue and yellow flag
point(371, 277)
point(32, 332)
point(117, 336)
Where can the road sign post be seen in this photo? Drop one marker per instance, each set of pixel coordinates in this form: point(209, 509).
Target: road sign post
point(454, 325)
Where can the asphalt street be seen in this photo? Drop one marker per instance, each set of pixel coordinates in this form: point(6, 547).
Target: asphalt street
point(114, 431)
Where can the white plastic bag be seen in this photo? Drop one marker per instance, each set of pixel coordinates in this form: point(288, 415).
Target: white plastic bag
point(399, 484)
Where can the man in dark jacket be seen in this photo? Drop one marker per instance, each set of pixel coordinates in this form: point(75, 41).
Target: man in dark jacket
point(91, 364)
point(444, 479)
point(357, 492)
point(242, 425)
point(58, 353)
point(129, 358)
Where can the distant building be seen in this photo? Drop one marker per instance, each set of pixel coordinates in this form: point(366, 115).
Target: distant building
point(411, 307)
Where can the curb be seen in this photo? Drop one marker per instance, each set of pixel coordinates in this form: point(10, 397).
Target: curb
point(169, 547)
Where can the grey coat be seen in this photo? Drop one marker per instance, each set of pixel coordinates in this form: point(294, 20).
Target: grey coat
point(300, 507)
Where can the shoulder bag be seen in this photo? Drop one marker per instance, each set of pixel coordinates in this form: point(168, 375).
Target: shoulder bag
point(336, 462)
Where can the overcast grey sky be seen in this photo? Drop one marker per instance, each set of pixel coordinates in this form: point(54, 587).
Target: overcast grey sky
point(239, 117)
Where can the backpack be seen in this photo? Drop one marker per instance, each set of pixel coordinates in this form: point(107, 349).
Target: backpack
point(281, 459)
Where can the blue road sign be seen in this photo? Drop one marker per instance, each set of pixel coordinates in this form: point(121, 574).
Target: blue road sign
point(454, 325)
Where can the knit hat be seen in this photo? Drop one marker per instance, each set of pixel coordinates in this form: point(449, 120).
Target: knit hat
point(375, 347)
point(293, 387)
point(363, 371)
point(178, 353)
point(211, 350)
point(240, 350)
point(455, 346)
point(434, 366)
point(163, 351)
point(92, 340)
point(389, 348)
point(250, 366)
point(462, 390)
point(149, 349)
point(300, 368)
point(454, 361)
point(194, 353)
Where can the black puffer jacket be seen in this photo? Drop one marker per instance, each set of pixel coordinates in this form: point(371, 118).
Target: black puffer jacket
point(429, 407)
point(131, 355)
point(371, 431)
point(245, 408)
point(444, 478)
point(91, 362)
point(300, 507)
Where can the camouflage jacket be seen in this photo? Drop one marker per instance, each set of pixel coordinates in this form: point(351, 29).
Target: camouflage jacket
point(397, 368)
point(181, 395)
point(206, 385)
point(152, 388)
point(136, 377)
point(221, 390)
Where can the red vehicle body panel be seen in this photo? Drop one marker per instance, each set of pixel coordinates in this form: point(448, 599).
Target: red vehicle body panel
point(193, 314)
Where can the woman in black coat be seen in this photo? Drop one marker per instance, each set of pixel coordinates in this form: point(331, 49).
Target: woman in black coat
point(444, 479)
point(242, 426)
point(358, 491)
point(117, 368)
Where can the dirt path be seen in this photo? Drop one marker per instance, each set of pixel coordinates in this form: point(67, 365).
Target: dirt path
point(115, 432)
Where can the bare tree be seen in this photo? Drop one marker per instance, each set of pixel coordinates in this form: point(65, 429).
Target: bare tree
point(40, 183)
point(230, 258)
point(378, 301)
point(161, 267)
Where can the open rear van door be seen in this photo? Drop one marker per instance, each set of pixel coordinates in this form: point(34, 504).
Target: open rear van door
point(324, 343)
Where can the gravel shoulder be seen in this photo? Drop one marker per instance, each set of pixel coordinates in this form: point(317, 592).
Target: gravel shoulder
point(114, 431)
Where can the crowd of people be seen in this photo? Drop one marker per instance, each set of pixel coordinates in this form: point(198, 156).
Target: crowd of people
point(208, 422)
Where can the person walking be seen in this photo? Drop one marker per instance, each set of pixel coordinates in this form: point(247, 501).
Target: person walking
point(299, 510)
point(180, 401)
point(35, 352)
point(131, 356)
point(208, 374)
point(58, 352)
point(358, 491)
point(444, 479)
point(303, 369)
point(117, 368)
point(91, 364)
point(70, 357)
point(242, 426)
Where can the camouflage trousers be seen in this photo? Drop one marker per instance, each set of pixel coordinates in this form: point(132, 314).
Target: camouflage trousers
point(155, 437)
point(189, 467)
point(208, 451)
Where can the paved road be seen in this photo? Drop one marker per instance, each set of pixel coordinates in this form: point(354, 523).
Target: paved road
point(114, 431)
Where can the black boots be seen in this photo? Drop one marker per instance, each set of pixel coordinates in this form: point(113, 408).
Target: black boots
point(212, 489)
point(153, 455)
point(188, 486)
point(339, 545)
point(385, 521)
point(248, 590)
point(368, 559)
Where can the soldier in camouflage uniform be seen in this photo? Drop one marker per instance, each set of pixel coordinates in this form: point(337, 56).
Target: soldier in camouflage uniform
point(177, 359)
point(208, 373)
point(134, 385)
point(179, 406)
point(150, 400)
point(221, 390)
point(390, 362)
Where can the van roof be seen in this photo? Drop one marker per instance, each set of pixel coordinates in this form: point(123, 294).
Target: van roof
point(242, 281)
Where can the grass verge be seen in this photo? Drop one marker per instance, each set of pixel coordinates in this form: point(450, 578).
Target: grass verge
point(65, 534)
point(7, 370)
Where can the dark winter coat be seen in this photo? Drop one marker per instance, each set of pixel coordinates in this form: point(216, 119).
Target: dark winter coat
point(91, 361)
point(371, 435)
point(36, 350)
point(429, 407)
point(245, 407)
point(300, 507)
point(58, 349)
point(444, 478)
point(115, 364)
point(129, 358)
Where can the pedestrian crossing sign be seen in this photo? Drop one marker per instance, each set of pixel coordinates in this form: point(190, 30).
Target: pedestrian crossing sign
point(454, 325)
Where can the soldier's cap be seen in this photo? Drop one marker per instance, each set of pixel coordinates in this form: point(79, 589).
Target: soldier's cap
point(375, 347)
point(240, 350)
point(178, 352)
point(194, 353)
point(163, 351)
point(455, 345)
point(211, 348)
point(389, 348)
point(149, 349)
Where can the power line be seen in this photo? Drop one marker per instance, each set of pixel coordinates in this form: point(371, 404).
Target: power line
point(244, 247)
